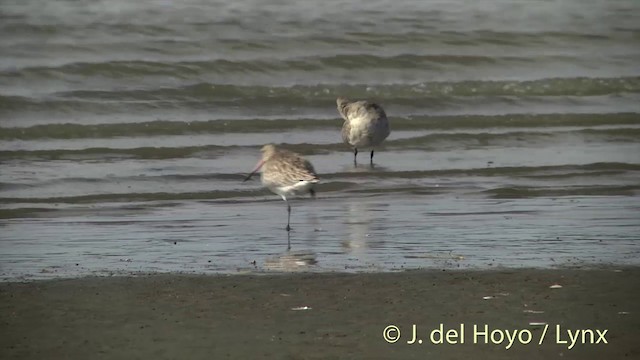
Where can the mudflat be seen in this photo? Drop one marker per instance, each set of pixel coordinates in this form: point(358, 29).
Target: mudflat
point(592, 313)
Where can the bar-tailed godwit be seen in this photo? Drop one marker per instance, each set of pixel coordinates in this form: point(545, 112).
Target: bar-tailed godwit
point(286, 173)
point(365, 124)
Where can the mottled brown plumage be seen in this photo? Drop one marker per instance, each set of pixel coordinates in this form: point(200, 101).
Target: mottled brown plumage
point(286, 173)
point(284, 168)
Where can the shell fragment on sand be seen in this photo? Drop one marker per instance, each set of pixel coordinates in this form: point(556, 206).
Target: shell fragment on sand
point(533, 311)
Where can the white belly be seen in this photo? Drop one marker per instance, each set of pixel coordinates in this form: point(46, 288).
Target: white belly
point(301, 187)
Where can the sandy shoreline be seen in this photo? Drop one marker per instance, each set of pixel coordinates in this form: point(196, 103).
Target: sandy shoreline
point(182, 316)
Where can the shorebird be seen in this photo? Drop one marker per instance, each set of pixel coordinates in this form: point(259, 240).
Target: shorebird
point(286, 173)
point(365, 124)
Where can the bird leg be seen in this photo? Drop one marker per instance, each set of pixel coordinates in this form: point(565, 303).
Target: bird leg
point(371, 156)
point(313, 193)
point(288, 216)
point(355, 155)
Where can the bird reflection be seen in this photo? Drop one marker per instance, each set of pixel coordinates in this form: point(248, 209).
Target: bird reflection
point(359, 218)
point(360, 168)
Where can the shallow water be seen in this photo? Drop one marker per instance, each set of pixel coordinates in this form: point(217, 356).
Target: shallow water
point(360, 233)
point(128, 127)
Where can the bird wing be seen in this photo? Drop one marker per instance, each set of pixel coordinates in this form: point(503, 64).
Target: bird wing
point(364, 109)
point(291, 168)
point(346, 130)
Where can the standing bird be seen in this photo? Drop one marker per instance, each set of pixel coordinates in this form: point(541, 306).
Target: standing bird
point(286, 173)
point(365, 124)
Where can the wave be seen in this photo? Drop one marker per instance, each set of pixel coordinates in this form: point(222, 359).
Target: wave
point(608, 168)
point(134, 197)
point(538, 172)
point(511, 192)
point(581, 86)
point(207, 151)
point(466, 97)
point(319, 93)
point(189, 69)
point(435, 141)
point(415, 32)
point(163, 127)
point(163, 196)
point(330, 189)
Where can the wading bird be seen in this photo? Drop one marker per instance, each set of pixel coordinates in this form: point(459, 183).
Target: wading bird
point(365, 125)
point(286, 173)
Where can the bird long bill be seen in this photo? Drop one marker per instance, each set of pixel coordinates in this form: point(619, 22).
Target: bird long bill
point(260, 163)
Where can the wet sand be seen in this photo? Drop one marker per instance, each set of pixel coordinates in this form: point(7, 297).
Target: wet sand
point(253, 316)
